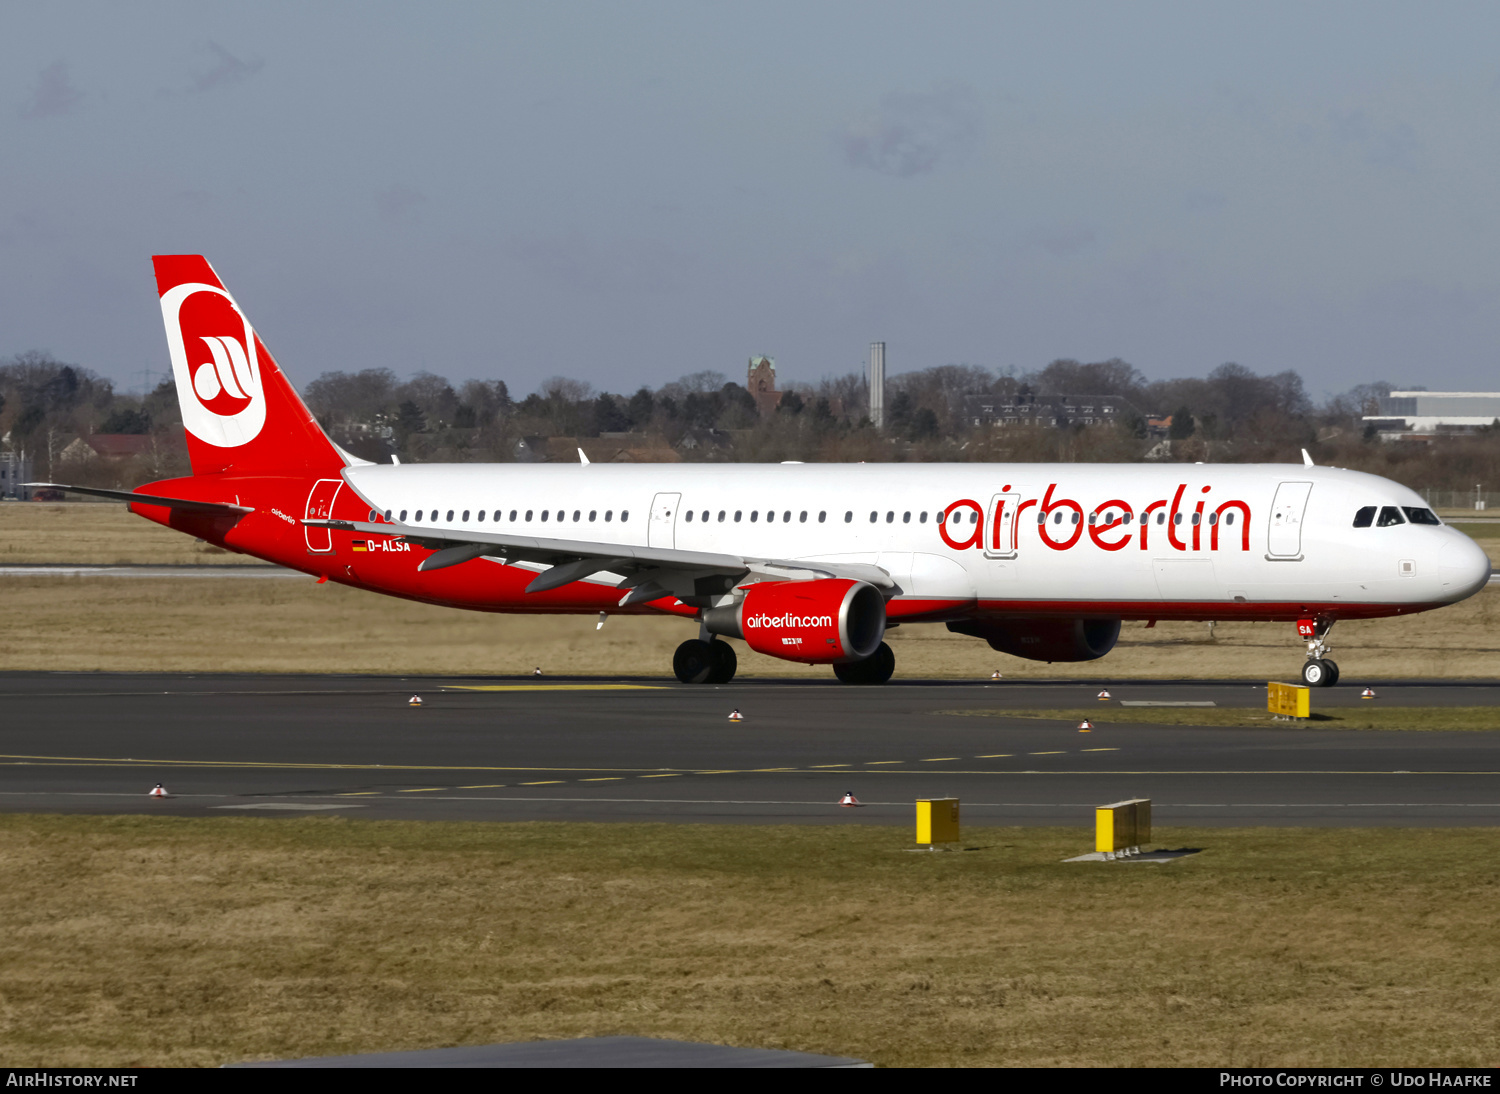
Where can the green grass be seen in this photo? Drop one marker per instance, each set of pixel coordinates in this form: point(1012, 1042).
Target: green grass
point(1362, 717)
point(155, 941)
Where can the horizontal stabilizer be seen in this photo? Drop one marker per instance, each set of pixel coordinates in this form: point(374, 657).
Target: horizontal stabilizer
point(148, 499)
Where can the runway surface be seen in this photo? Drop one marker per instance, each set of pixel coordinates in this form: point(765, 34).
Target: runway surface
point(486, 749)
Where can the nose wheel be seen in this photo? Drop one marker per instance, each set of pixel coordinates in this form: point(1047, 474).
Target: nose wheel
point(1318, 671)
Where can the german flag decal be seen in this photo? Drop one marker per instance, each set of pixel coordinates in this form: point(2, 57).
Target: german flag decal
point(360, 545)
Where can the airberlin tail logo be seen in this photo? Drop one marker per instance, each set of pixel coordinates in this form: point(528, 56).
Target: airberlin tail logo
point(215, 363)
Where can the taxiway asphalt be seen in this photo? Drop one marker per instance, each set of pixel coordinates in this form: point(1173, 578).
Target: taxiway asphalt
point(623, 749)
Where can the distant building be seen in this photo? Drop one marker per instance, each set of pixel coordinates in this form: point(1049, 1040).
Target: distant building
point(1045, 411)
point(761, 383)
point(15, 468)
point(108, 446)
point(1403, 413)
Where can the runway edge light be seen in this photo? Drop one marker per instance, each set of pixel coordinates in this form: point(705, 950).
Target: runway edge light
point(159, 791)
point(937, 821)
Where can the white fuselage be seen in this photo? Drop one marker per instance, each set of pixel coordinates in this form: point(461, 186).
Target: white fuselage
point(1179, 540)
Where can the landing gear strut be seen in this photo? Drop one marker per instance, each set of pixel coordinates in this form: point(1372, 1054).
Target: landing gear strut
point(1318, 671)
point(875, 669)
point(700, 662)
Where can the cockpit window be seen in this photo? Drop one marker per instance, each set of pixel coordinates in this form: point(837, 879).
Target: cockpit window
point(1420, 516)
point(1365, 517)
point(1389, 515)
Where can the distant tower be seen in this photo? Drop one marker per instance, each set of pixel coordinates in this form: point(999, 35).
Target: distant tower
point(877, 384)
point(761, 383)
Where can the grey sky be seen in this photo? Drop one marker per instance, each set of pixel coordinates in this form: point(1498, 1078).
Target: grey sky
point(625, 193)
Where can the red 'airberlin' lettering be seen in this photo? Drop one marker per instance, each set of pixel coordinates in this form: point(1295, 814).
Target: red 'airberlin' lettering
point(1121, 515)
point(976, 537)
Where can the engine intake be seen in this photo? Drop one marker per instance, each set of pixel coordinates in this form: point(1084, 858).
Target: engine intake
point(1043, 638)
point(827, 622)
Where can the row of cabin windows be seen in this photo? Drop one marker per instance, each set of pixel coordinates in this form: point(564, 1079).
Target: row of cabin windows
point(546, 514)
point(1391, 514)
point(956, 516)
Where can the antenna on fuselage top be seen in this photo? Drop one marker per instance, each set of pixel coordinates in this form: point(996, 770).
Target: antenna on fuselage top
point(1307, 460)
point(582, 458)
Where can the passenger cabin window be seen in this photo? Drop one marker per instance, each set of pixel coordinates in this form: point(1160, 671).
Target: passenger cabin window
point(466, 514)
point(403, 516)
point(512, 515)
point(737, 514)
point(528, 514)
point(1389, 515)
point(1420, 516)
point(545, 514)
point(848, 516)
point(922, 517)
point(1228, 517)
point(593, 515)
point(480, 514)
point(419, 516)
point(770, 516)
point(1365, 516)
point(754, 515)
point(609, 515)
point(450, 514)
point(576, 515)
point(787, 516)
point(874, 517)
point(688, 516)
point(624, 515)
point(906, 517)
point(705, 516)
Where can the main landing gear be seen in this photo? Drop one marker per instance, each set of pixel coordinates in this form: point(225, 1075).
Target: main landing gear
point(700, 662)
point(875, 669)
point(1318, 671)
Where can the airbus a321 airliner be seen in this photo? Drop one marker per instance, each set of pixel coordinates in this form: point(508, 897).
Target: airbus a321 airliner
point(807, 563)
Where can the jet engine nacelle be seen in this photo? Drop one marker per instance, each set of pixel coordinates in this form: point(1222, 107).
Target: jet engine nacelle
point(1041, 638)
point(826, 622)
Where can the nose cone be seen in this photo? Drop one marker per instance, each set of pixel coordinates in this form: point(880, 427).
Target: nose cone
point(1463, 566)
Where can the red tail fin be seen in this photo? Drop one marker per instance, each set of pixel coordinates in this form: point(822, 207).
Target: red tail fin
point(239, 410)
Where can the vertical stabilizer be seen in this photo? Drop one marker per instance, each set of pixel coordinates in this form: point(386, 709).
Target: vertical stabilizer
point(238, 409)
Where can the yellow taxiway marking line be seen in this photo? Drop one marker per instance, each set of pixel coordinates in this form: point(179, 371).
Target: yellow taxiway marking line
point(605, 779)
point(1001, 755)
point(827, 765)
point(545, 782)
point(940, 759)
point(552, 687)
point(725, 771)
point(360, 794)
point(1058, 752)
point(484, 786)
point(1098, 750)
point(765, 769)
point(670, 775)
point(876, 763)
point(425, 790)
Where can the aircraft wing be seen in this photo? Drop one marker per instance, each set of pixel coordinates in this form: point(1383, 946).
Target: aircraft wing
point(649, 572)
point(147, 499)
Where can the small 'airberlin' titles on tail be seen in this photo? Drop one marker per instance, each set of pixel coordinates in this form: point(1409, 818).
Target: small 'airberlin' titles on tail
point(239, 410)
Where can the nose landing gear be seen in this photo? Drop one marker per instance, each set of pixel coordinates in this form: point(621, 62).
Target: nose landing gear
point(1318, 671)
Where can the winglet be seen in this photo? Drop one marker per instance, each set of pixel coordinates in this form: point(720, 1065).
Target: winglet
point(1307, 460)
